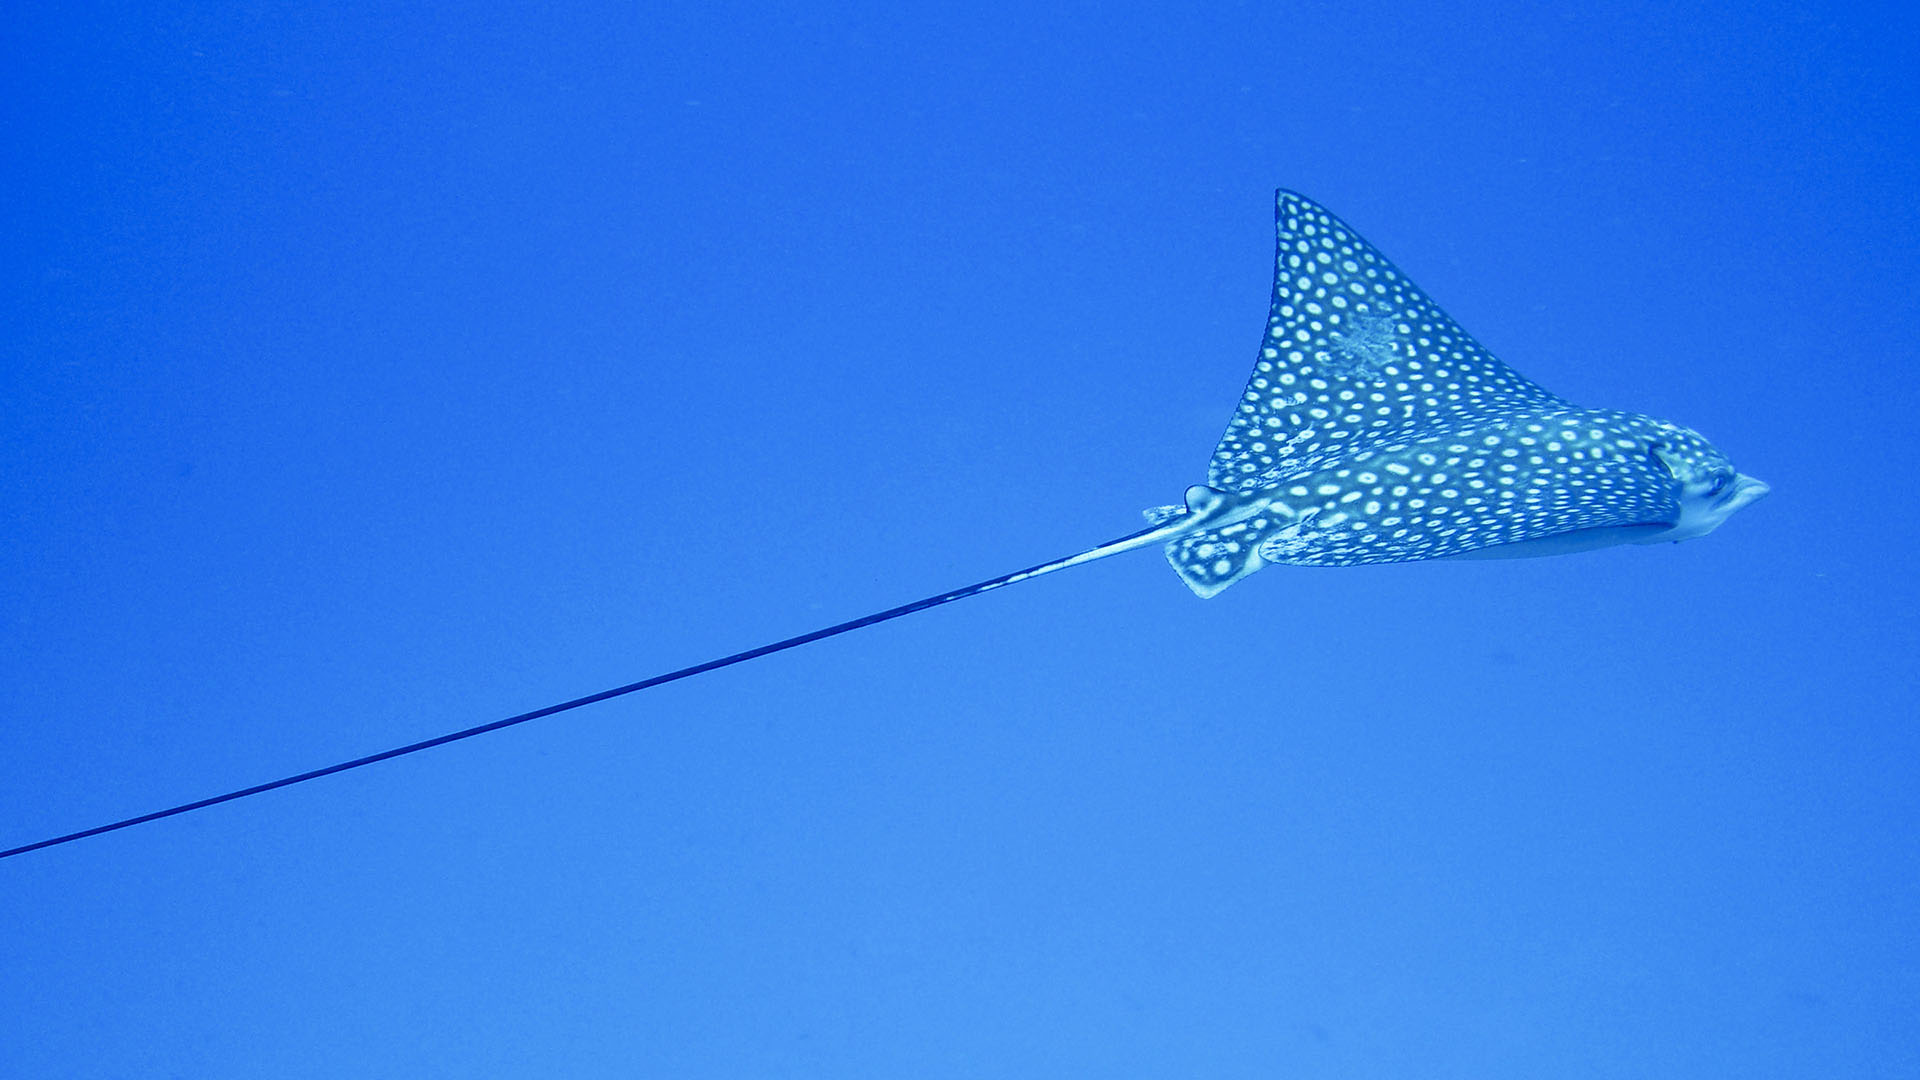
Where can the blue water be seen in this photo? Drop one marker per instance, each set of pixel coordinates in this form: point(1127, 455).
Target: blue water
point(371, 373)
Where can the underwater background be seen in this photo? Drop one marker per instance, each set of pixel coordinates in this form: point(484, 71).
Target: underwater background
point(376, 371)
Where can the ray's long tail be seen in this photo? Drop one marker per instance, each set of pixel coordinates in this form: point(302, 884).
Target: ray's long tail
point(1155, 534)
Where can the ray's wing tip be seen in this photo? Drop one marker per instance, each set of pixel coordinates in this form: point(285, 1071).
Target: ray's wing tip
point(1283, 196)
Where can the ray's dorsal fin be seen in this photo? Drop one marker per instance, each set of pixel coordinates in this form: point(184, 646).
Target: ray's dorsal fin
point(1354, 356)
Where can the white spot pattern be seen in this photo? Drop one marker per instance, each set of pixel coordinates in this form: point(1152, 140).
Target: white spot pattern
point(1390, 505)
point(1355, 356)
point(1374, 430)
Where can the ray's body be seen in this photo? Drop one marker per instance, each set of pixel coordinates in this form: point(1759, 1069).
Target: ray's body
point(1374, 429)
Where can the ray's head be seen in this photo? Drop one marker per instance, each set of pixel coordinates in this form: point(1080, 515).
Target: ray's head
point(1707, 489)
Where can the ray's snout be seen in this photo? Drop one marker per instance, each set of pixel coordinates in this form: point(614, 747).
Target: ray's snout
point(1702, 512)
point(1746, 490)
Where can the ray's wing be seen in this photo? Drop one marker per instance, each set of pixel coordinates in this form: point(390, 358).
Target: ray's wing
point(1355, 357)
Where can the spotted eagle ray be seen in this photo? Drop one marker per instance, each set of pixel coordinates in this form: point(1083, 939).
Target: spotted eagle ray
point(1373, 430)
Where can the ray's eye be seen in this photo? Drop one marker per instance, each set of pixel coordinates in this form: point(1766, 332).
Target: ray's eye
point(1719, 485)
